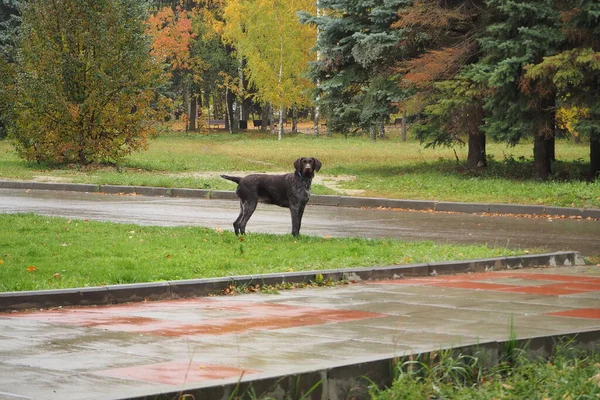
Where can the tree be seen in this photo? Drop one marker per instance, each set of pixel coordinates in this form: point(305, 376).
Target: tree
point(172, 39)
point(456, 113)
point(275, 48)
point(10, 21)
point(574, 74)
point(445, 87)
point(86, 81)
point(357, 50)
point(523, 33)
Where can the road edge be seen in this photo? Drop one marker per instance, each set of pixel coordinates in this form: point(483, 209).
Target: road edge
point(316, 199)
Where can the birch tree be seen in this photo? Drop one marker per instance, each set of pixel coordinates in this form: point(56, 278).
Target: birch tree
point(276, 48)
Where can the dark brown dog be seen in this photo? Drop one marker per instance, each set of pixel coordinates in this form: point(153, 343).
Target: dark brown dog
point(290, 190)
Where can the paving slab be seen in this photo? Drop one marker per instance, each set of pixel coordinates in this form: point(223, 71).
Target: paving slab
point(275, 344)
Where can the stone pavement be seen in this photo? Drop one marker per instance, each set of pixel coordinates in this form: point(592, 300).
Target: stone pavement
point(326, 338)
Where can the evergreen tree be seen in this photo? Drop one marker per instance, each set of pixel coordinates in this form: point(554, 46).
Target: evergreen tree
point(10, 21)
point(574, 74)
point(357, 49)
point(523, 32)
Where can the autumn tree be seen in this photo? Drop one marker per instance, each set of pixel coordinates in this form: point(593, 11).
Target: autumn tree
point(275, 49)
point(440, 43)
point(172, 39)
point(86, 81)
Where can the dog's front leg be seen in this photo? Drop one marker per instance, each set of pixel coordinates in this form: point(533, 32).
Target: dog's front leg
point(297, 212)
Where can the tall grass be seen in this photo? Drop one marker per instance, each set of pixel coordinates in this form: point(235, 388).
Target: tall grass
point(571, 372)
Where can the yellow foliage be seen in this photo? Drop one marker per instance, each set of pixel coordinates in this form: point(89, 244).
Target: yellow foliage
point(567, 117)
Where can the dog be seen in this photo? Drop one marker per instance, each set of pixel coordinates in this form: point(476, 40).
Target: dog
point(289, 190)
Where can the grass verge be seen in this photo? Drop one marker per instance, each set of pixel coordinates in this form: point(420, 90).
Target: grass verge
point(39, 252)
point(570, 372)
point(386, 168)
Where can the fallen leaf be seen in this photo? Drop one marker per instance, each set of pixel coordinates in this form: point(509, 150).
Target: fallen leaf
point(57, 276)
point(31, 268)
point(169, 256)
point(1, 262)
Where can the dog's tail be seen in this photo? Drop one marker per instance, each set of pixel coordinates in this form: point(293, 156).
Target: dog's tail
point(235, 179)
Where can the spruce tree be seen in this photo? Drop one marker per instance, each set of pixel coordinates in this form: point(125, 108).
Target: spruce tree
point(10, 21)
point(523, 32)
point(357, 49)
point(574, 73)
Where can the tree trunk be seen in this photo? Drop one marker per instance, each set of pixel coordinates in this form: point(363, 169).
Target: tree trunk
point(477, 154)
point(541, 159)
point(404, 126)
point(295, 118)
point(381, 128)
point(280, 130)
point(595, 157)
point(194, 113)
point(186, 104)
point(372, 132)
point(271, 125)
point(316, 120)
point(229, 108)
point(551, 148)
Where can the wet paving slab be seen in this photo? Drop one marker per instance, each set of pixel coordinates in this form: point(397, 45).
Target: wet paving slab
point(139, 350)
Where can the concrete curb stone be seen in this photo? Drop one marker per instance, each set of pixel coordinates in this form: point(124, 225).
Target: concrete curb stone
point(195, 193)
point(325, 200)
point(69, 187)
point(112, 294)
point(116, 189)
point(470, 208)
point(411, 204)
point(517, 209)
point(152, 191)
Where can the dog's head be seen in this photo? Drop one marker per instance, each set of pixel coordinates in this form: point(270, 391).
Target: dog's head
point(307, 166)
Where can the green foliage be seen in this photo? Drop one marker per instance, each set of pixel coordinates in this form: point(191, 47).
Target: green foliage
point(523, 33)
point(357, 48)
point(456, 112)
point(86, 81)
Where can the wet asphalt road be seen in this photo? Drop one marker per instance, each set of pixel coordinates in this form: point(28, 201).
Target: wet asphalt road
point(512, 232)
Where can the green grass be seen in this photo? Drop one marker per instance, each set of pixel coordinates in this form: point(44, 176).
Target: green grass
point(570, 373)
point(385, 168)
point(42, 253)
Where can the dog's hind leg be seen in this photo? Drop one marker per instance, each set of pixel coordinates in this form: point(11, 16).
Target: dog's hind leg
point(247, 209)
point(236, 223)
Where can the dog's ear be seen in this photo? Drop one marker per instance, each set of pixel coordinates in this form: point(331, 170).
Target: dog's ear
point(298, 164)
point(317, 164)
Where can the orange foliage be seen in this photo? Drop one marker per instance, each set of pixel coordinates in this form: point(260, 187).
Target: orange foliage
point(434, 65)
point(172, 36)
point(429, 15)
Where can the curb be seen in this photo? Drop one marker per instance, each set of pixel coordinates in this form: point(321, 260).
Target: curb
point(113, 294)
point(317, 199)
